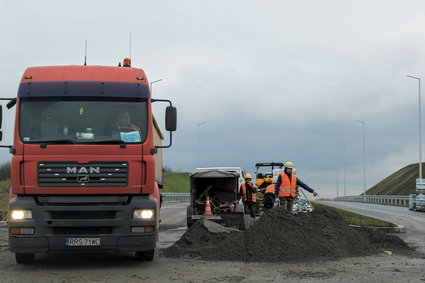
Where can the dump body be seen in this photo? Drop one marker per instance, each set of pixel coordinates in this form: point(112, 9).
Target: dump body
point(221, 185)
point(83, 178)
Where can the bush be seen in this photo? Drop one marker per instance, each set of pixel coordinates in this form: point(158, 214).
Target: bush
point(5, 171)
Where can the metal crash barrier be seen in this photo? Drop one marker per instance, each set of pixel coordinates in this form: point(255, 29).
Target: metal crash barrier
point(175, 197)
point(385, 199)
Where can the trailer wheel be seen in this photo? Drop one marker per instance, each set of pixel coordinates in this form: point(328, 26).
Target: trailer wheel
point(24, 258)
point(145, 255)
point(188, 216)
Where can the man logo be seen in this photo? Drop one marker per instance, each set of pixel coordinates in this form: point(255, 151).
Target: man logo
point(82, 170)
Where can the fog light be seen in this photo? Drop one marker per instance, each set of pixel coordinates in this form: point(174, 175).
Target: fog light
point(21, 231)
point(27, 231)
point(137, 229)
point(143, 213)
point(142, 229)
point(20, 214)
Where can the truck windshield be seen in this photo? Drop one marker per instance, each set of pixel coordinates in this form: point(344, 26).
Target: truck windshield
point(66, 121)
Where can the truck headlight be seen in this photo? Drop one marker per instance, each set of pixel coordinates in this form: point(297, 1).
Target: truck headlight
point(20, 214)
point(143, 213)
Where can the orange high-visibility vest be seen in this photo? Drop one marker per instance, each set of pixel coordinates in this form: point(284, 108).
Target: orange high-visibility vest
point(287, 188)
point(270, 189)
point(245, 196)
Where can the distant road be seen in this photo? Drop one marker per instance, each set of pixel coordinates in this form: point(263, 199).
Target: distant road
point(414, 221)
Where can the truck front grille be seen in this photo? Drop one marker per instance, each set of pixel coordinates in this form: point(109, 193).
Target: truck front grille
point(83, 214)
point(73, 174)
point(82, 230)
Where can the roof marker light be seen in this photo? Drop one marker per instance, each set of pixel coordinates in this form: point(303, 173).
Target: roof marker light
point(126, 62)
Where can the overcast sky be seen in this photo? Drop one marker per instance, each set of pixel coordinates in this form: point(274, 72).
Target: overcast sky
point(273, 80)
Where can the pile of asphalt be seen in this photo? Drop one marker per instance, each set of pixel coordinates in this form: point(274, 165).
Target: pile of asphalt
point(279, 236)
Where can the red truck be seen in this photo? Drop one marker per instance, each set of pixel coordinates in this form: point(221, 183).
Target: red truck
point(83, 165)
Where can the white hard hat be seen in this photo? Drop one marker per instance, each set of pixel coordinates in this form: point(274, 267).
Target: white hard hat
point(289, 164)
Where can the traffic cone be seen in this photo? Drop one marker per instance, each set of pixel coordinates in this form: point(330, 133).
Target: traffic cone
point(208, 207)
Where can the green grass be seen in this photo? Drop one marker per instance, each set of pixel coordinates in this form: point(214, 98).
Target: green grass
point(357, 219)
point(176, 182)
point(4, 197)
point(401, 182)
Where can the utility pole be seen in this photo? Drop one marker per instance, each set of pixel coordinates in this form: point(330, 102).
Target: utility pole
point(337, 181)
point(364, 159)
point(199, 125)
point(420, 128)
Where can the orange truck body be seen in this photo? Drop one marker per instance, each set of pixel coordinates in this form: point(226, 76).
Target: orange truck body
point(85, 189)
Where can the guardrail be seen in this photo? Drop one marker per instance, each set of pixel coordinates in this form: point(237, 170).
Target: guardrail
point(377, 199)
point(175, 196)
point(385, 199)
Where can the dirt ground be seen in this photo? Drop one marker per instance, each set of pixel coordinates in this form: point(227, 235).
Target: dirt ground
point(123, 268)
point(118, 267)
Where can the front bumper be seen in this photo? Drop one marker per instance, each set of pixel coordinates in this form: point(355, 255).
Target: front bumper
point(109, 219)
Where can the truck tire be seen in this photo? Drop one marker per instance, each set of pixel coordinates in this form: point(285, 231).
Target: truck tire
point(189, 223)
point(24, 258)
point(145, 255)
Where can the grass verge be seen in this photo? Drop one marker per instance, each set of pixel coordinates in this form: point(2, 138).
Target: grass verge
point(176, 182)
point(357, 219)
point(4, 198)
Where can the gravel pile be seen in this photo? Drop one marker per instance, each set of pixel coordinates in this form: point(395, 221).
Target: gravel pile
point(280, 236)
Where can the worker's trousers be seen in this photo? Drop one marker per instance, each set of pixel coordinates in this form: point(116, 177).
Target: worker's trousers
point(249, 208)
point(268, 201)
point(287, 203)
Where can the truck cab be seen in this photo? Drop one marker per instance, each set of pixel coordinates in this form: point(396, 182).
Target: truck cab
point(83, 162)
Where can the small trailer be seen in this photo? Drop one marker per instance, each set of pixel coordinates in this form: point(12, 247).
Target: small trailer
point(221, 185)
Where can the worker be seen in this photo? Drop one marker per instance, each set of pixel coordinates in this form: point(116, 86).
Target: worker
point(285, 187)
point(269, 196)
point(249, 195)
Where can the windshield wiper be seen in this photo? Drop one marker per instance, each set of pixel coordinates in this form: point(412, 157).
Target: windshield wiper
point(106, 142)
point(120, 142)
point(59, 141)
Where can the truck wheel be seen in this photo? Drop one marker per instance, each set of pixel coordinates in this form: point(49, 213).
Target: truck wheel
point(24, 258)
point(146, 255)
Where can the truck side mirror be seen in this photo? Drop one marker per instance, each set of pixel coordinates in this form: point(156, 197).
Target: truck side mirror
point(171, 118)
point(11, 103)
point(1, 115)
point(170, 123)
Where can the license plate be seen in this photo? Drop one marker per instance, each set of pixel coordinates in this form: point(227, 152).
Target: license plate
point(82, 242)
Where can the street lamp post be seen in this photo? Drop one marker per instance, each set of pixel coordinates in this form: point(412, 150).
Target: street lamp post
point(420, 127)
point(345, 168)
point(337, 184)
point(153, 83)
point(199, 125)
point(364, 162)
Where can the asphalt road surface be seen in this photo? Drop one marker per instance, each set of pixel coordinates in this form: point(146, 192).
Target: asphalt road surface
point(118, 267)
point(413, 221)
